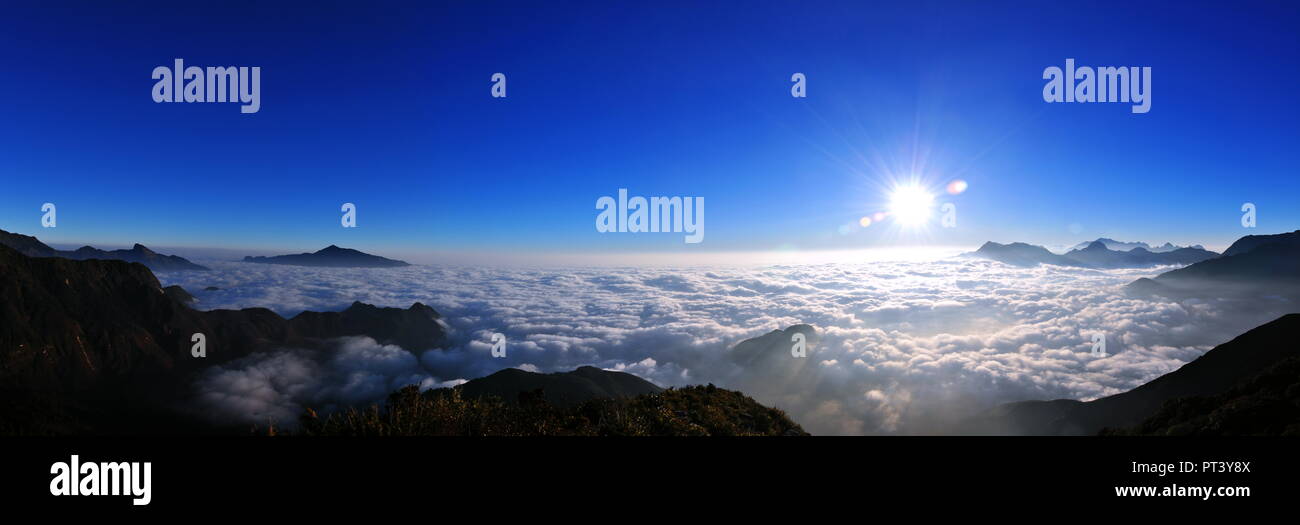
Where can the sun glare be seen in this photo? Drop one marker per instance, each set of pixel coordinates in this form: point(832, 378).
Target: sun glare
point(910, 205)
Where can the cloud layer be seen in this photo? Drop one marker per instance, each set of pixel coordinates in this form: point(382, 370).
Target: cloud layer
point(903, 347)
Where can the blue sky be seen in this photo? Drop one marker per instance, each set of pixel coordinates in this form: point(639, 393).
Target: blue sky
point(388, 106)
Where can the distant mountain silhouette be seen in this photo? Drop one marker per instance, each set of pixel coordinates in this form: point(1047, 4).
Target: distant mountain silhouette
point(1093, 255)
point(100, 337)
point(1096, 255)
point(1122, 246)
point(774, 346)
point(1020, 254)
point(331, 257)
point(31, 247)
point(562, 389)
point(1255, 266)
point(1227, 365)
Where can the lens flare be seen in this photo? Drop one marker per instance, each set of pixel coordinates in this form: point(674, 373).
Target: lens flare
point(956, 187)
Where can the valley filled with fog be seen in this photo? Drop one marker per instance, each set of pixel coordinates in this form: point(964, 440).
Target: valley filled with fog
point(904, 347)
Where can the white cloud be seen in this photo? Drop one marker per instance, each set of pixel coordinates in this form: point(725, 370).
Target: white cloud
point(904, 347)
point(275, 387)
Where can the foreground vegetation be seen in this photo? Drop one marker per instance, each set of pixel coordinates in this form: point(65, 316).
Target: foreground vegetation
point(689, 411)
point(1265, 405)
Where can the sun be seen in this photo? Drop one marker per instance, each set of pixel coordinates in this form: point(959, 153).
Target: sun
point(910, 205)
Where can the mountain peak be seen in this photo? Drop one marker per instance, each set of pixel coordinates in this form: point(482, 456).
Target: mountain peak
point(1253, 267)
point(1123, 246)
point(425, 310)
point(559, 388)
point(1250, 242)
point(1094, 254)
point(332, 256)
point(31, 247)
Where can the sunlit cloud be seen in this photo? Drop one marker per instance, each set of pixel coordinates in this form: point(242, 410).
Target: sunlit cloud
point(907, 345)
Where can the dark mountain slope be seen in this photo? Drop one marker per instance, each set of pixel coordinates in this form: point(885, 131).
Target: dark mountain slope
point(1211, 374)
point(179, 294)
point(32, 247)
point(415, 328)
point(560, 389)
point(27, 245)
point(1250, 242)
point(1266, 263)
point(1265, 405)
point(1254, 267)
point(690, 411)
point(88, 335)
point(331, 257)
point(67, 324)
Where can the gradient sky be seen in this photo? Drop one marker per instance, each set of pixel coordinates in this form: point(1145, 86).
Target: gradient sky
point(387, 105)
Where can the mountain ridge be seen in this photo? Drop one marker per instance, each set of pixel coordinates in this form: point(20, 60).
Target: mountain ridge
point(1122, 246)
point(100, 347)
point(91, 335)
point(686, 411)
point(32, 247)
point(1254, 267)
point(562, 389)
point(1094, 255)
point(331, 256)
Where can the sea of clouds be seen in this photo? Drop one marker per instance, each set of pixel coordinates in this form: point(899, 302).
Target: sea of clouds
point(903, 347)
